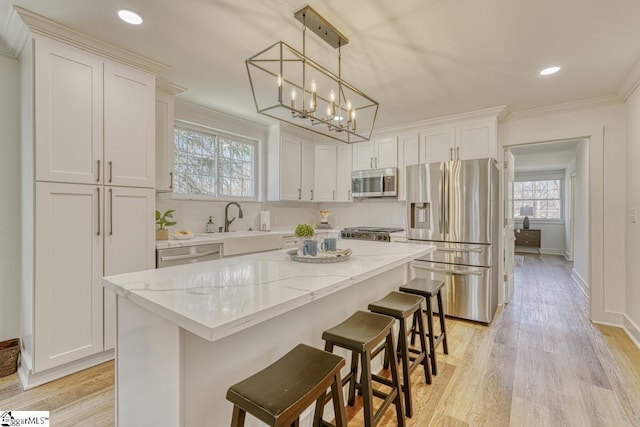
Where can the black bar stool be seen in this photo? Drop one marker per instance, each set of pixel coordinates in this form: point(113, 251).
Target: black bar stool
point(278, 394)
point(402, 306)
point(428, 288)
point(366, 334)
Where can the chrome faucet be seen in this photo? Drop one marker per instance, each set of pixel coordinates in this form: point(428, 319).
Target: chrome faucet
point(228, 222)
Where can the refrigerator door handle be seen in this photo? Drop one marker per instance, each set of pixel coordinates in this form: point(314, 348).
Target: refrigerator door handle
point(476, 250)
point(447, 194)
point(446, 271)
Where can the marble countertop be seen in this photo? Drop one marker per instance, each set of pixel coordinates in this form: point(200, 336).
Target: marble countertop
point(207, 238)
point(215, 299)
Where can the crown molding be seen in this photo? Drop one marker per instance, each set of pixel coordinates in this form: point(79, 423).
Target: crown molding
point(42, 26)
point(168, 87)
point(495, 113)
point(601, 101)
point(14, 35)
point(630, 82)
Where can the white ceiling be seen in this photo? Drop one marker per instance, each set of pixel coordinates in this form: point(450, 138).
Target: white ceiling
point(547, 156)
point(419, 58)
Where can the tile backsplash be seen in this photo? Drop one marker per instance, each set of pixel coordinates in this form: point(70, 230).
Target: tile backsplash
point(193, 214)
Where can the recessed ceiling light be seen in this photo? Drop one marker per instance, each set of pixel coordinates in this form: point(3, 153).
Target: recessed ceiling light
point(129, 17)
point(550, 70)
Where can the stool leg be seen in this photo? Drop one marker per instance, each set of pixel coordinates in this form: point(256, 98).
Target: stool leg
point(338, 402)
point(413, 330)
point(442, 327)
point(354, 377)
point(419, 319)
point(395, 378)
point(367, 392)
point(432, 350)
point(403, 352)
point(237, 419)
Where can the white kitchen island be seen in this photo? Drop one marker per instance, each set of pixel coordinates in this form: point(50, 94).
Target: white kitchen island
point(186, 333)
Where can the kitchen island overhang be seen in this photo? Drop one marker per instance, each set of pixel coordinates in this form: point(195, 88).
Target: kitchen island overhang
point(186, 333)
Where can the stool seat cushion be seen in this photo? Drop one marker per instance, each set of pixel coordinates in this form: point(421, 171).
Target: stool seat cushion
point(425, 287)
point(286, 383)
point(360, 332)
point(397, 304)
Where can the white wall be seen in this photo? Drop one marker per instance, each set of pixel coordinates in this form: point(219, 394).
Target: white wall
point(632, 245)
point(605, 126)
point(9, 199)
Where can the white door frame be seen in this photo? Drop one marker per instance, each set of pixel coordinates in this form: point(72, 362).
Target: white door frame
point(595, 137)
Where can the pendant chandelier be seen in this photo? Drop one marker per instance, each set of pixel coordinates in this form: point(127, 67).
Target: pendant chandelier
point(290, 87)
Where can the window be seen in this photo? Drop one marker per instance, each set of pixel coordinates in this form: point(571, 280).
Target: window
point(544, 196)
point(215, 165)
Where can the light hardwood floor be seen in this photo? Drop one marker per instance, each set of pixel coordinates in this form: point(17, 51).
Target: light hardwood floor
point(540, 363)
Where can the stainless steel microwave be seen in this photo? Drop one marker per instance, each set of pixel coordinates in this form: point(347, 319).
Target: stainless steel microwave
point(374, 183)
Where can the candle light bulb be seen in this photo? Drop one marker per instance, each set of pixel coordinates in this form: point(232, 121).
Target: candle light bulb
point(313, 103)
point(293, 98)
point(329, 111)
point(332, 95)
point(314, 87)
point(279, 80)
point(279, 89)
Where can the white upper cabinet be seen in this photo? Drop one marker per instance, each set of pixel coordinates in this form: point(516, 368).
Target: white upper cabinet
point(129, 126)
point(290, 168)
point(94, 120)
point(409, 150)
point(375, 154)
point(68, 109)
point(165, 112)
point(325, 173)
point(472, 140)
point(436, 145)
point(307, 164)
point(343, 178)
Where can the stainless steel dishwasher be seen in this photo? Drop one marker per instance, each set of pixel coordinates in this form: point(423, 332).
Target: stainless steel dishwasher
point(187, 254)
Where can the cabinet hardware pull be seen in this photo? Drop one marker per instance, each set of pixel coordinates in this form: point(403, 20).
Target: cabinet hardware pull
point(98, 206)
point(334, 194)
point(371, 162)
point(110, 211)
point(170, 180)
point(349, 194)
point(311, 194)
point(451, 153)
point(376, 162)
point(98, 179)
point(299, 193)
point(110, 171)
point(457, 153)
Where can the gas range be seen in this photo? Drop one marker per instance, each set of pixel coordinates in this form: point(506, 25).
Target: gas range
point(378, 234)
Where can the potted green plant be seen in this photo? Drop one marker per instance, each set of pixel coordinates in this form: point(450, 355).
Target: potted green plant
point(306, 245)
point(162, 222)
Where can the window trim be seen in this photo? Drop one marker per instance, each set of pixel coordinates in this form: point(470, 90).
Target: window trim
point(257, 147)
point(545, 176)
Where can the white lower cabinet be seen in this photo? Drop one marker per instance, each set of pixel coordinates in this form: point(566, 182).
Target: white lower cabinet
point(129, 240)
point(82, 233)
point(68, 317)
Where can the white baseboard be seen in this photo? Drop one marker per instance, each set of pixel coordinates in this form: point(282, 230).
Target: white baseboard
point(551, 251)
point(582, 284)
point(567, 256)
point(632, 330)
point(30, 380)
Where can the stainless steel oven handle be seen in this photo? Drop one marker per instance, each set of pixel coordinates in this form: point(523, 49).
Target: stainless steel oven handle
point(188, 256)
point(445, 271)
point(476, 250)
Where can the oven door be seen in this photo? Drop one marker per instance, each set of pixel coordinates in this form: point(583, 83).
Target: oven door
point(468, 291)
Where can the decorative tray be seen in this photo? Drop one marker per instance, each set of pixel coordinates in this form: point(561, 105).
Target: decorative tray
point(322, 257)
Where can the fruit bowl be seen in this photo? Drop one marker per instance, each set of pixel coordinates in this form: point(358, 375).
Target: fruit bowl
point(182, 235)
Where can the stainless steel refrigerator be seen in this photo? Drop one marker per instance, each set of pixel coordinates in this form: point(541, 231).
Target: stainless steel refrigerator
point(454, 205)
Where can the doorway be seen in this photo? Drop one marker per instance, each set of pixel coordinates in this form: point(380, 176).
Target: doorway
point(551, 188)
